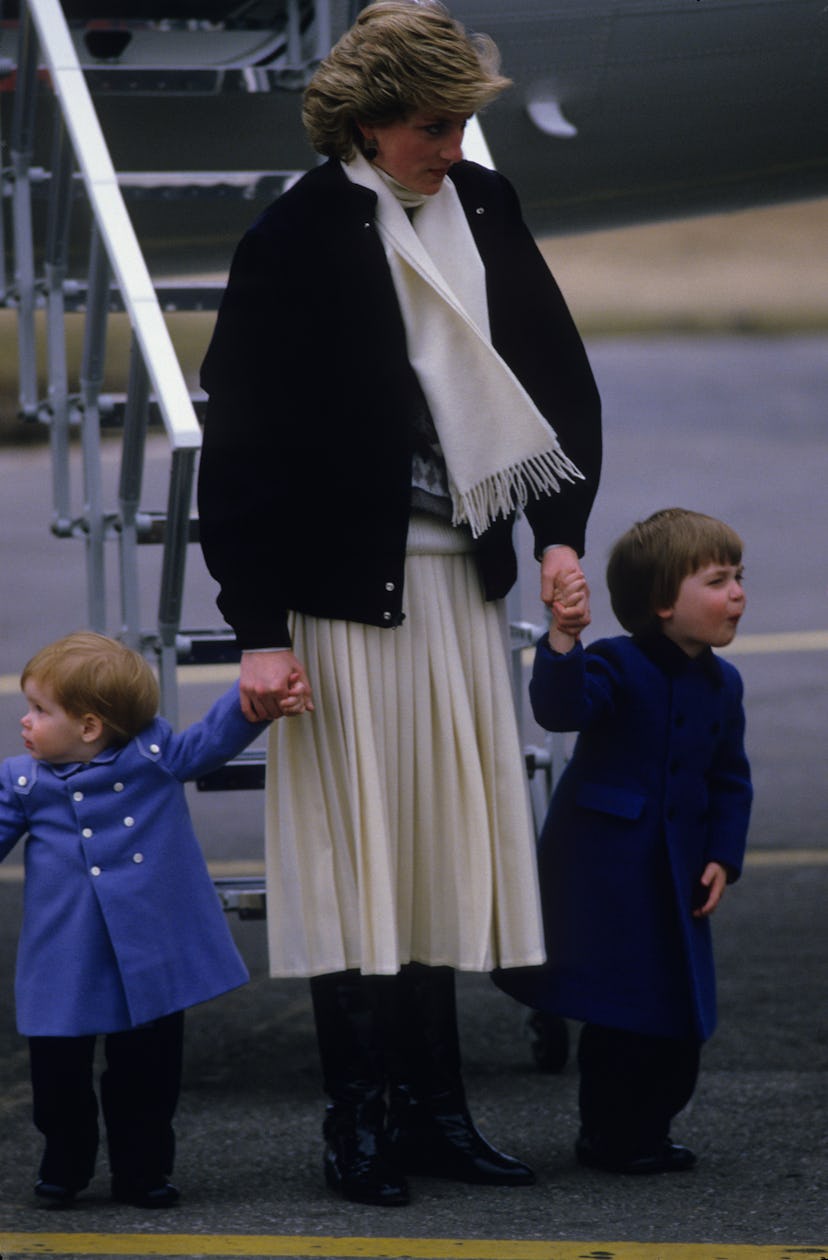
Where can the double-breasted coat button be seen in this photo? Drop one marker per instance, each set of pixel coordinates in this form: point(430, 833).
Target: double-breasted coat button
point(22, 780)
point(154, 748)
point(129, 822)
point(87, 833)
point(95, 870)
point(138, 857)
point(117, 787)
point(386, 616)
point(389, 586)
point(77, 796)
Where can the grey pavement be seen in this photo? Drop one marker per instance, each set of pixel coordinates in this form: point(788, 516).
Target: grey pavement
point(730, 426)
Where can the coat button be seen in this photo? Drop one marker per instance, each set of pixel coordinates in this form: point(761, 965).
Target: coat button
point(95, 870)
point(138, 857)
point(22, 780)
point(386, 616)
point(129, 822)
point(480, 210)
point(154, 748)
point(77, 796)
point(87, 833)
point(117, 787)
point(389, 586)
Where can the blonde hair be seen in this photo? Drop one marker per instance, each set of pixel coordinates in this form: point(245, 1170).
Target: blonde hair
point(90, 673)
point(648, 563)
point(399, 57)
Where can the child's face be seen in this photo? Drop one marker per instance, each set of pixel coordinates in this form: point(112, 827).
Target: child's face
point(707, 608)
point(49, 732)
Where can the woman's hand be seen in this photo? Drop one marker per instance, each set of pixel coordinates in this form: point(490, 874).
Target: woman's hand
point(273, 685)
point(564, 590)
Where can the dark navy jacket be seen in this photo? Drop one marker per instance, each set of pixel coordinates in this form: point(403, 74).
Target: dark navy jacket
point(305, 476)
point(657, 787)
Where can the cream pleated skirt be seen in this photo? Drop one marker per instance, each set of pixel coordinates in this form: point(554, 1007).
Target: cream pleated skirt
point(398, 826)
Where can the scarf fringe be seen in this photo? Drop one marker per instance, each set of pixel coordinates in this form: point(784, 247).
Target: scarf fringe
point(503, 492)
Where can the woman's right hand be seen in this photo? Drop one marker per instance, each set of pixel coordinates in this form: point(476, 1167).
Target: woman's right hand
point(273, 685)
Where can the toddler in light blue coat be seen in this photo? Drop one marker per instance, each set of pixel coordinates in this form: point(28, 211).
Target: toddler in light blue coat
point(107, 946)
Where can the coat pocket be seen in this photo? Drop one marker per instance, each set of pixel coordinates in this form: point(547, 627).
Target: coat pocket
point(604, 798)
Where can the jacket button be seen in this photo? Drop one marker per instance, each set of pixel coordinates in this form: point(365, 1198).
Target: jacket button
point(154, 748)
point(389, 586)
point(77, 796)
point(138, 857)
point(95, 870)
point(129, 822)
point(117, 787)
point(22, 780)
point(87, 833)
point(386, 616)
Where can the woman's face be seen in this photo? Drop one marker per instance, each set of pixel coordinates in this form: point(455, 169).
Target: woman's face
point(418, 150)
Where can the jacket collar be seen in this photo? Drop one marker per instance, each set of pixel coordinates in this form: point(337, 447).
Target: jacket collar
point(672, 661)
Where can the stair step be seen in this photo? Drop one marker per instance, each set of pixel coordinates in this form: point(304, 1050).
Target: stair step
point(178, 295)
point(243, 894)
point(207, 647)
point(244, 773)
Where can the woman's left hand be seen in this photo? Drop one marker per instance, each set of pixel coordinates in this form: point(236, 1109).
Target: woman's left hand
point(560, 570)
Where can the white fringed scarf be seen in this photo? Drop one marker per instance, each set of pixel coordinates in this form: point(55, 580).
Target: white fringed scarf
point(499, 450)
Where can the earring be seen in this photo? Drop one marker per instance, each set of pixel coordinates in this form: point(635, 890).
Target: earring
point(370, 150)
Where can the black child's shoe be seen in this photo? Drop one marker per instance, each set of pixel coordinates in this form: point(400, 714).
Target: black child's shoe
point(669, 1157)
point(161, 1196)
point(54, 1195)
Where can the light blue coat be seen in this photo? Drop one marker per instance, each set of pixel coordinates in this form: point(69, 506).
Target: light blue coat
point(121, 922)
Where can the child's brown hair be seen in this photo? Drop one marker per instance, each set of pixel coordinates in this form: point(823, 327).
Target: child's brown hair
point(649, 562)
point(91, 673)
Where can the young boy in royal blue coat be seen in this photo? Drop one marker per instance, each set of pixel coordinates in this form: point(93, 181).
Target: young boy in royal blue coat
point(122, 927)
point(647, 826)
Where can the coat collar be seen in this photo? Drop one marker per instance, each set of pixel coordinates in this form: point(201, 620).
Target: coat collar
point(673, 662)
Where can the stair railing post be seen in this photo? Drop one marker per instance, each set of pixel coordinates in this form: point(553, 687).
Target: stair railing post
point(23, 119)
point(176, 537)
point(56, 271)
point(136, 419)
point(91, 379)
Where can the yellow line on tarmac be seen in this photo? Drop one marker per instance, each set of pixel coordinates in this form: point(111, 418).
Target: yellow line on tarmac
point(384, 1248)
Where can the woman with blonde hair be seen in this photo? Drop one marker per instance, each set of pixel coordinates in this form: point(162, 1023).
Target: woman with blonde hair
point(393, 375)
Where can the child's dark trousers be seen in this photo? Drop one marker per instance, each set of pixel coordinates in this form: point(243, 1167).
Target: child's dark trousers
point(139, 1093)
point(631, 1087)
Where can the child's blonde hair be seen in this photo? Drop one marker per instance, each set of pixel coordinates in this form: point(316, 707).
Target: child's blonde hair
point(649, 562)
point(90, 673)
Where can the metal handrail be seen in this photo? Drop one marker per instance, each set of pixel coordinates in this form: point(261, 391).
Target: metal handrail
point(115, 252)
point(113, 222)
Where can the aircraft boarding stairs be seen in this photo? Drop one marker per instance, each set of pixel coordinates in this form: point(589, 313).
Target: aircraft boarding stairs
point(77, 71)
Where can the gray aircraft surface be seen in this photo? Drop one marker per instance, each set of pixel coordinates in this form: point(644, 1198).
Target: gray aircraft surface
point(622, 110)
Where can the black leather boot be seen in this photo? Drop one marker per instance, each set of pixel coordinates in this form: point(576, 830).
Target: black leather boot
point(358, 1161)
point(430, 1128)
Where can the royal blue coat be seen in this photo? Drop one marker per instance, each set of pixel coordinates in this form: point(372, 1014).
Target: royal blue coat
point(657, 787)
point(121, 922)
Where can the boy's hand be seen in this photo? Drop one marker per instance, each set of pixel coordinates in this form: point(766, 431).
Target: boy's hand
point(714, 879)
point(273, 685)
point(570, 610)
